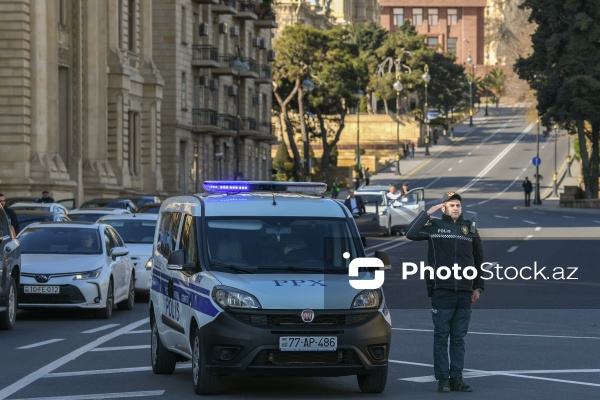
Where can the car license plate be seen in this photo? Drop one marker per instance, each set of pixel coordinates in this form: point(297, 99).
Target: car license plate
point(42, 289)
point(308, 343)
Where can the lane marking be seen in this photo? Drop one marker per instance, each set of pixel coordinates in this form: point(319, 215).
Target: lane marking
point(501, 216)
point(598, 222)
point(568, 216)
point(527, 237)
point(507, 334)
point(449, 169)
point(102, 328)
point(529, 222)
point(109, 371)
point(460, 161)
point(34, 376)
point(512, 249)
point(119, 348)
point(538, 228)
point(140, 331)
point(434, 181)
point(102, 396)
point(539, 212)
point(31, 346)
point(391, 247)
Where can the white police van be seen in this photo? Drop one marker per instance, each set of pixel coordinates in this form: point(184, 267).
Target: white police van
point(252, 278)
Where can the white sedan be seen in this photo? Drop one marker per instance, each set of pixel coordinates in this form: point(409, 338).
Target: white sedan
point(137, 231)
point(75, 265)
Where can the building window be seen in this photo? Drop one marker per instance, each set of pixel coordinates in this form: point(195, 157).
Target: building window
point(62, 14)
point(398, 16)
point(452, 16)
point(452, 45)
point(183, 91)
point(134, 153)
point(183, 26)
point(417, 16)
point(432, 42)
point(131, 28)
point(432, 16)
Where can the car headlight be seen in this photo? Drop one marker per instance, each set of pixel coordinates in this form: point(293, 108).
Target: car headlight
point(148, 265)
point(228, 297)
point(89, 274)
point(367, 299)
point(384, 212)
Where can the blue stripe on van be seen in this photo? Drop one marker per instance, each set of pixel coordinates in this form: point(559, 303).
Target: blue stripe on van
point(193, 294)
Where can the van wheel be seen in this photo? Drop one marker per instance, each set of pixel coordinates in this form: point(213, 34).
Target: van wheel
point(163, 361)
point(130, 301)
point(204, 382)
point(373, 383)
point(106, 312)
point(8, 317)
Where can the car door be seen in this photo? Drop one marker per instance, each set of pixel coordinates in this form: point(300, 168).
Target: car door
point(408, 207)
point(368, 222)
point(117, 265)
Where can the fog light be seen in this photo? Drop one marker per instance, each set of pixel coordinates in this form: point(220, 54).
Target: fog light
point(97, 300)
point(225, 353)
point(378, 352)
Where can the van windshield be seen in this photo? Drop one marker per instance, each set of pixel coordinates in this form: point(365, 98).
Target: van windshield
point(279, 245)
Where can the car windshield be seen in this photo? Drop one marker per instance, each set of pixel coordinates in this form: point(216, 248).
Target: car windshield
point(26, 220)
point(59, 240)
point(149, 209)
point(274, 245)
point(91, 217)
point(372, 199)
point(103, 203)
point(134, 231)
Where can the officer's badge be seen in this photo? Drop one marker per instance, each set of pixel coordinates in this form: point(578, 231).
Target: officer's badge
point(464, 230)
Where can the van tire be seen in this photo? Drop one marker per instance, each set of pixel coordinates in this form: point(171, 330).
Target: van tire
point(128, 303)
point(373, 383)
point(107, 311)
point(8, 317)
point(205, 382)
point(163, 360)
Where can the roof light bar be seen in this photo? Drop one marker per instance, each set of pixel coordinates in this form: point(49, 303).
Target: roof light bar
point(264, 186)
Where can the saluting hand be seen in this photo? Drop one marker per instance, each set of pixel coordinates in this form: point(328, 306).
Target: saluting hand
point(433, 209)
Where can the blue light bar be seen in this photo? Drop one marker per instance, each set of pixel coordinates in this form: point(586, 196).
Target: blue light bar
point(264, 186)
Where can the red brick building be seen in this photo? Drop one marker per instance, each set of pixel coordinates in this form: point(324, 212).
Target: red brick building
point(454, 25)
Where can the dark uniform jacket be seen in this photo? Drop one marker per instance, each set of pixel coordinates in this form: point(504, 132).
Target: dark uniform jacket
point(449, 243)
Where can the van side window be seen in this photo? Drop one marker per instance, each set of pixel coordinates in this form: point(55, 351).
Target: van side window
point(189, 240)
point(168, 233)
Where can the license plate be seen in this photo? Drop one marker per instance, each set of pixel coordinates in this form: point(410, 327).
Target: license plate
point(42, 289)
point(308, 343)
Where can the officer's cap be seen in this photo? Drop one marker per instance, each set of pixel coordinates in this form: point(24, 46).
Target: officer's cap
point(451, 196)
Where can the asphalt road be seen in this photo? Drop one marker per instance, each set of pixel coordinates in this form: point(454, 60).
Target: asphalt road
point(534, 339)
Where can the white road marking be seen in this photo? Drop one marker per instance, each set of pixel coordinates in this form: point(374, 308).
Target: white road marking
point(598, 222)
point(529, 222)
point(140, 331)
point(539, 212)
point(102, 328)
point(31, 346)
point(460, 161)
point(527, 237)
point(109, 371)
point(102, 396)
point(434, 181)
point(512, 249)
point(390, 247)
point(500, 216)
point(449, 169)
point(507, 334)
point(568, 216)
point(538, 228)
point(34, 376)
point(119, 348)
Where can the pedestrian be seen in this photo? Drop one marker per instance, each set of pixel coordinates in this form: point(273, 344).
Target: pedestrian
point(393, 194)
point(335, 188)
point(12, 215)
point(367, 176)
point(406, 149)
point(356, 182)
point(45, 198)
point(405, 188)
point(527, 188)
point(412, 149)
point(357, 208)
point(454, 242)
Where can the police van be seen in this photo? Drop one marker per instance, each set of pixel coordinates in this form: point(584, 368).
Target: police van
point(252, 278)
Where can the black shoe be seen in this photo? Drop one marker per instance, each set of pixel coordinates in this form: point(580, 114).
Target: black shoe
point(444, 385)
point(458, 385)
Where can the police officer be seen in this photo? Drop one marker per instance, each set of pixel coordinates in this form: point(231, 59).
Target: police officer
point(452, 240)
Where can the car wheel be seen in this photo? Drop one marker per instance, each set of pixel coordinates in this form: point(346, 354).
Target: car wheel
point(130, 301)
point(9, 316)
point(205, 382)
point(163, 360)
point(373, 383)
point(106, 312)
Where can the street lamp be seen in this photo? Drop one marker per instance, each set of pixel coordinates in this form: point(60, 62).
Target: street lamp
point(569, 155)
point(426, 78)
point(470, 61)
point(398, 88)
point(238, 66)
point(308, 87)
point(537, 199)
point(359, 94)
point(555, 175)
point(485, 83)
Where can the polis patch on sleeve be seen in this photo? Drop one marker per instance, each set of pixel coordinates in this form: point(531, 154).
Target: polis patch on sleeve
point(464, 230)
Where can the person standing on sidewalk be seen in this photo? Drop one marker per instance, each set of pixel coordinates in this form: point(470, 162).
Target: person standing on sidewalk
point(335, 188)
point(452, 241)
point(527, 188)
point(412, 150)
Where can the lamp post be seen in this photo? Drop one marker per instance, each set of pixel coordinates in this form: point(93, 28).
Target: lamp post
point(536, 199)
point(485, 83)
point(238, 66)
point(426, 78)
point(555, 175)
point(398, 88)
point(308, 87)
point(470, 61)
point(569, 155)
point(359, 94)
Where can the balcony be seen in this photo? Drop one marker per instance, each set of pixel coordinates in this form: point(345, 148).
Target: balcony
point(227, 123)
point(223, 66)
point(246, 10)
point(252, 71)
point(206, 1)
point(264, 74)
point(225, 7)
point(205, 56)
point(248, 127)
point(266, 20)
point(204, 120)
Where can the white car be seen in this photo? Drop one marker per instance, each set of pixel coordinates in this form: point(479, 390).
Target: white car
point(137, 231)
point(94, 214)
point(53, 207)
point(75, 265)
point(394, 215)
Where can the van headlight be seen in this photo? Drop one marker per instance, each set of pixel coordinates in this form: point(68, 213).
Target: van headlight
point(228, 297)
point(367, 299)
point(89, 274)
point(383, 212)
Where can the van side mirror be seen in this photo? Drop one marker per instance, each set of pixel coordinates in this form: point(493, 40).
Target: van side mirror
point(176, 261)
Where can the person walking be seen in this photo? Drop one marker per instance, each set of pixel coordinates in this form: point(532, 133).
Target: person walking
point(412, 150)
point(453, 241)
point(527, 188)
point(357, 208)
point(367, 176)
point(335, 188)
point(45, 198)
point(12, 215)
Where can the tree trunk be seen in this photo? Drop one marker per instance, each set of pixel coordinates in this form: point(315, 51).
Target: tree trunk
point(594, 161)
point(585, 161)
point(328, 146)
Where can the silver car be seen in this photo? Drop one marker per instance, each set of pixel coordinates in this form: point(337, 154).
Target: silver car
point(75, 265)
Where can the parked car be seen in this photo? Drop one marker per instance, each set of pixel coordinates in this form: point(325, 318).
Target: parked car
point(75, 265)
point(137, 231)
point(94, 214)
point(149, 208)
point(28, 217)
point(125, 204)
point(142, 200)
point(378, 212)
point(10, 273)
point(52, 207)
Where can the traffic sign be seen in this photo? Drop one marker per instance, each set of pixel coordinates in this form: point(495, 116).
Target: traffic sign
point(536, 161)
